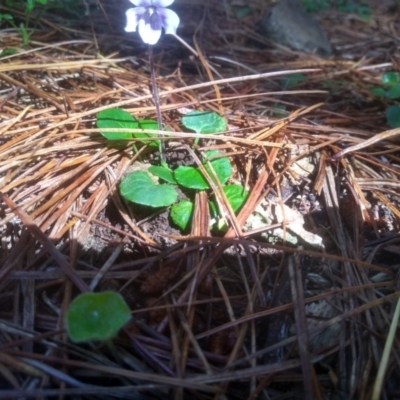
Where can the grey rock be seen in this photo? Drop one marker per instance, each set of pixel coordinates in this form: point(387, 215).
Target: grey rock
point(289, 24)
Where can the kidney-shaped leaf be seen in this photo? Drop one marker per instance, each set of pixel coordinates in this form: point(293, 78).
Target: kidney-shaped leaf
point(236, 196)
point(204, 122)
point(150, 125)
point(394, 92)
point(181, 214)
point(390, 78)
point(162, 172)
point(291, 80)
point(116, 118)
point(96, 316)
point(139, 188)
point(222, 167)
point(191, 178)
point(377, 91)
point(393, 116)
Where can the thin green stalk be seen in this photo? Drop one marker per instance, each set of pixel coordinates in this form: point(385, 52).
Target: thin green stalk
point(156, 100)
point(380, 376)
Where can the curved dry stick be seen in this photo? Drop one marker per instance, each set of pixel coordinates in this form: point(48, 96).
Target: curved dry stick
point(376, 138)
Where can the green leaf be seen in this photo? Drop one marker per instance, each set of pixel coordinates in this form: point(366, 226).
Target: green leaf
point(8, 52)
point(279, 110)
point(390, 78)
point(223, 169)
point(292, 80)
point(393, 116)
point(139, 188)
point(191, 178)
point(334, 86)
point(213, 209)
point(164, 173)
point(204, 122)
point(181, 214)
point(361, 9)
point(116, 118)
point(236, 196)
point(96, 316)
point(394, 92)
point(6, 17)
point(316, 5)
point(29, 5)
point(243, 12)
point(377, 91)
point(150, 125)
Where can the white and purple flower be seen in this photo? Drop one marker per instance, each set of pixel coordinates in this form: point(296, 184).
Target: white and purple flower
point(150, 16)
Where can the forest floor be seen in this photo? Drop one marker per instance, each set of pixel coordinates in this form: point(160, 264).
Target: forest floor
point(294, 296)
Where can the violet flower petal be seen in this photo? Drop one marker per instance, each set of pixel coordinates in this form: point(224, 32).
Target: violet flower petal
point(147, 33)
point(169, 20)
point(162, 3)
point(154, 3)
point(133, 16)
point(141, 3)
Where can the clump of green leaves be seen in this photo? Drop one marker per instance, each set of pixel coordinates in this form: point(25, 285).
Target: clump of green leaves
point(142, 187)
point(29, 5)
point(5, 17)
point(279, 110)
point(138, 187)
point(204, 122)
point(393, 116)
point(292, 80)
point(96, 316)
point(116, 118)
point(359, 7)
point(334, 85)
point(316, 5)
point(24, 27)
point(390, 90)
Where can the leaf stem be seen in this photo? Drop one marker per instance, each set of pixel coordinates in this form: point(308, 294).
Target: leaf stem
point(156, 100)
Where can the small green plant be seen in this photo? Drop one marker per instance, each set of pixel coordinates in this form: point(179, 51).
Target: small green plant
point(141, 187)
point(99, 316)
point(316, 5)
point(22, 29)
point(359, 7)
point(334, 86)
point(5, 17)
point(279, 110)
point(28, 6)
point(117, 118)
point(390, 90)
point(96, 316)
point(138, 187)
point(393, 116)
point(204, 122)
point(181, 214)
point(292, 80)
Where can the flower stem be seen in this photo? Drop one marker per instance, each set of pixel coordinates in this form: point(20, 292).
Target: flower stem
point(156, 100)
